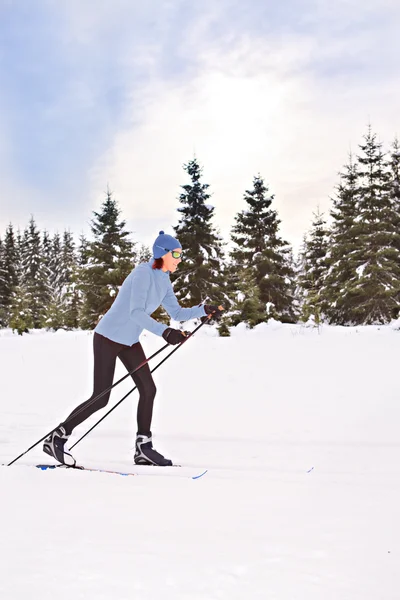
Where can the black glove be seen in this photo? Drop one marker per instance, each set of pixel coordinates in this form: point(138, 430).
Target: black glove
point(214, 311)
point(174, 336)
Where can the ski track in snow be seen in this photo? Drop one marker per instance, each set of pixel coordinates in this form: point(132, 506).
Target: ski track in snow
point(298, 430)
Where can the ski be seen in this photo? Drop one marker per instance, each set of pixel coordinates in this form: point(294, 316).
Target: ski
point(46, 467)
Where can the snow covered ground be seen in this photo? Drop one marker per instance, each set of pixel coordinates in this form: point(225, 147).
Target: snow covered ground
point(299, 431)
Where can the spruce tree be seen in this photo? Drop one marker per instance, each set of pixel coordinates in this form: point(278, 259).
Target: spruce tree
point(62, 310)
point(313, 269)
point(343, 244)
point(144, 254)
point(260, 250)
point(51, 260)
point(247, 306)
point(71, 298)
point(82, 262)
point(8, 274)
point(18, 252)
point(35, 275)
point(374, 293)
point(110, 258)
point(394, 185)
point(21, 316)
point(201, 273)
point(2, 286)
point(83, 251)
point(55, 264)
point(47, 254)
point(394, 175)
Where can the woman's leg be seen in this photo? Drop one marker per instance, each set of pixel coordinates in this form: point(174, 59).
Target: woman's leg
point(145, 454)
point(131, 358)
point(105, 354)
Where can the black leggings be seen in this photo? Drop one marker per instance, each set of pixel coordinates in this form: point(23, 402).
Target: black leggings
point(105, 355)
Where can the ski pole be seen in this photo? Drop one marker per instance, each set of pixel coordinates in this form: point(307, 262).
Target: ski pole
point(93, 400)
point(133, 389)
point(109, 388)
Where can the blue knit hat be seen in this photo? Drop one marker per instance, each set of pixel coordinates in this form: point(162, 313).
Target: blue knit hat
point(164, 243)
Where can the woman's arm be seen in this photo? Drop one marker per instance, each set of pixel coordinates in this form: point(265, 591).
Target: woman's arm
point(140, 285)
point(176, 312)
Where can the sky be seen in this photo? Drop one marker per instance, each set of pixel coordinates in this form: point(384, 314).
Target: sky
point(120, 94)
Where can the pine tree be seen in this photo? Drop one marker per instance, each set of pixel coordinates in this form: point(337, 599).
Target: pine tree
point(55, 264)
point(71, 298)
point(201, 273)
point(51, 257)
point(394, 175)
point(259, 248)
point(247, 306)
point(21, 316)
point(47, 253)
point(82, 262)
point(144, 254)
point(374, 293)
point(343, 244)
point(8, 275)
point(110, 258)
point(53, 318)
point(2, 286)
point(63, 308)
point(313, 270)
point(394, 185)
point(83, 251)
point(35, 275)
point(18, 256)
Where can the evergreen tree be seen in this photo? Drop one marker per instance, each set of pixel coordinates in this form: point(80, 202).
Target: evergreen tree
point(394, 175)
point(201, 273)
point(343, 244)
point(394, 184)
point(63, 308)
point(55, 264)
point(35, 275)
point(144, 254)
point(18, 255)
point(362, 285)
point(47, 253)
point(54, 318)
point(21, 316)
point(82, 262)
point(313, 269)
point(374, 293)
point(51, 252)
point(247, 306)
point(110, 258)
point(71, 298)
point(8, 274)
point(83, 251)
point(259, 249)
point(2, 286)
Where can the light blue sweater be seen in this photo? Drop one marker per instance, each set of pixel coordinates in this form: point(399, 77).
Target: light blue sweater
point(142, 292)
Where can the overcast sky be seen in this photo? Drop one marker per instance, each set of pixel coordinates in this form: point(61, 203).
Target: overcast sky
point(124, 92)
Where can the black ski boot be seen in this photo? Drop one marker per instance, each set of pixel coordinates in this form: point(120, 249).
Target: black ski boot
point(145, 453)
point(54, 446)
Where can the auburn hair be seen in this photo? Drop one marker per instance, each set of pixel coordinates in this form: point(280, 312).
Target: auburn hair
point(158, 263)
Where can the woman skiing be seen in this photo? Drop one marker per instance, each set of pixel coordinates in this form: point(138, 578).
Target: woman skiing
point(117, 335)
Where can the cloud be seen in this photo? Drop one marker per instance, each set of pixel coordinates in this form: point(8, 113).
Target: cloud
point(127, 93)
point(263, 104)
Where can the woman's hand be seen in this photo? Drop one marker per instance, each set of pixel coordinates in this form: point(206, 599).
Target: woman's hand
point(174, 336)
point(213, 312)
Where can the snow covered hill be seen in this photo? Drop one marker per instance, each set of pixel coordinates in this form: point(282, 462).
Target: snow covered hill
point(299, 431)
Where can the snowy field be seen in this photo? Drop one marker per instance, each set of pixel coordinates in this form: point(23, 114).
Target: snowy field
point(299, 431)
